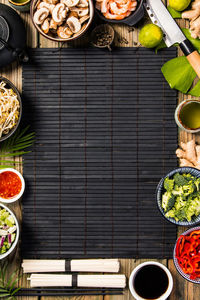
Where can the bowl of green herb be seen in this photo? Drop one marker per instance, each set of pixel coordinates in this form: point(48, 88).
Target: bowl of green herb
point(178, 196)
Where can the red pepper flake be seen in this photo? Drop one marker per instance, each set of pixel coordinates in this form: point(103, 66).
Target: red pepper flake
point(10, 184)
point(187, 254)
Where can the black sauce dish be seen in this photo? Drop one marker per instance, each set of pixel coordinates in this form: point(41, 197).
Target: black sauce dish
point(131, 20)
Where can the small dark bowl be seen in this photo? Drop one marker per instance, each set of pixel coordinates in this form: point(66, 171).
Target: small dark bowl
point(178, 268)
point(160, 191)
point(131, 20)
point(11, 85)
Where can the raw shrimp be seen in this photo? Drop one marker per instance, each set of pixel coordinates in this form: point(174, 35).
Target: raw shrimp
point(116, 9)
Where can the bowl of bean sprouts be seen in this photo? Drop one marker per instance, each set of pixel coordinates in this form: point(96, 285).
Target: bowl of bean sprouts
point(10, 108)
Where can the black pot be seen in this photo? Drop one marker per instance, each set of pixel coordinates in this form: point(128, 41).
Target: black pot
point(12, 36)
point(133, 19)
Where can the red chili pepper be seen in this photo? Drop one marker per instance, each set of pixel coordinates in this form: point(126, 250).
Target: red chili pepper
point(188, 254)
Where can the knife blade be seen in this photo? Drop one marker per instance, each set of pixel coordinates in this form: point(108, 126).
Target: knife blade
point(160, 16)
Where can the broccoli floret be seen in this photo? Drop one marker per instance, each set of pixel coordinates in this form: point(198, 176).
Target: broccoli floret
point(168, 184)
point(197, 183)
point(179, 203)
point(170, 214)
point(168, 201)
point(178, 190)
point(192, 208)
point(180, 180)
point(180, 214)
point(189, 189)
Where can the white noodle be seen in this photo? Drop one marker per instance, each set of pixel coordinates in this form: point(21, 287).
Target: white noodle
point(9, 109)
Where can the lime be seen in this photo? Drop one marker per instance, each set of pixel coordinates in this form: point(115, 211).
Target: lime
point(179, 5)
point(150, 36)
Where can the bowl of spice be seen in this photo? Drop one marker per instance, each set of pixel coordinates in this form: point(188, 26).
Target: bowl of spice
point(12, 185)
point(102, 36)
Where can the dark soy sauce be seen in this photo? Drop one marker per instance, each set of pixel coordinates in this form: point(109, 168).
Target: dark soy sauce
point(151, 282)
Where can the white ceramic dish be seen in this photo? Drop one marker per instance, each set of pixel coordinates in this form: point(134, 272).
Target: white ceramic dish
point(2, 256)
point(18, 196)
point(135, 271)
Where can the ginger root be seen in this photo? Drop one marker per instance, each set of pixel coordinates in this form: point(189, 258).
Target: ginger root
point(194, 16)
point(189, 154)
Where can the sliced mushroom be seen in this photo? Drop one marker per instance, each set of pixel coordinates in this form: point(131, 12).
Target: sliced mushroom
point(40, 15)
point(80, 11)
point(70, 3)
point(45, 26)
point(51, 1)
point(64, 32)
point(74, 24)
point(64, 13)
point(83, 27)
point(73, 14)
point(53, 25)
point(49, 6)
point(57, 12)
point(83, 19)
point(83, 3)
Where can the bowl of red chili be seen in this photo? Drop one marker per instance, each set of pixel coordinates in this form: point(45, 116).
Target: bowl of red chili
point(12, 185)
point(187, 255)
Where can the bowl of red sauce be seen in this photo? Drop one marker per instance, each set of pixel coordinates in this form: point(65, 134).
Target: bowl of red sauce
point(12, 185)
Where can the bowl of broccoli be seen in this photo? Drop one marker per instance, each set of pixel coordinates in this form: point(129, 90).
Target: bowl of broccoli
point(9, 231)
point(178, 196)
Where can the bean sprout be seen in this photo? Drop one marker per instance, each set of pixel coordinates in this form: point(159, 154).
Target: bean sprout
point(9, 109)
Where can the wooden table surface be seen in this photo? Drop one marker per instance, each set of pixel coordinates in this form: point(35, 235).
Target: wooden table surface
point(125, 37)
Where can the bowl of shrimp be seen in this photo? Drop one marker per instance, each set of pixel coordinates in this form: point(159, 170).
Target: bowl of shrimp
point(128, 12)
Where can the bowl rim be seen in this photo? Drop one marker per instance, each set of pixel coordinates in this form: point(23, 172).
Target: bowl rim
point(177, 266)
point(18, 196)
point(2, 256)
point(159, 188)
point(33, 2)
point(156, 263)
point(6, 136)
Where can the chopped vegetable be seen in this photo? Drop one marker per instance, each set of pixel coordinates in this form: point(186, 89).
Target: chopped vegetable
point(189, 154)
point(194, 16)
point(188, 254)
point(9, 109)
point(181, 200)
point(7, 230)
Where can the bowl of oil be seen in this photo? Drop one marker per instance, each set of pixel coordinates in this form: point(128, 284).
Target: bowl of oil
point(187, 115)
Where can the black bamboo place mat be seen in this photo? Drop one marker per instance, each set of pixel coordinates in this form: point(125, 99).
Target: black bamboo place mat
point(105, 136)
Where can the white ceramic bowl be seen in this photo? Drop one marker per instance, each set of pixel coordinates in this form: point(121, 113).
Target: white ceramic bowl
point(13, 199)
point(17, 233)
point(135, 271)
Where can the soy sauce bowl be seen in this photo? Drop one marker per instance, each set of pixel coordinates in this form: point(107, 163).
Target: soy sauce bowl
point(176, 263)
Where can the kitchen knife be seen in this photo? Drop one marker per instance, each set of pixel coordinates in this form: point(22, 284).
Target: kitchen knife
point(172, 32)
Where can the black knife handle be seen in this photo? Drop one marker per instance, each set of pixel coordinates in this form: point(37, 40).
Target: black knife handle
point(187, 47)
point(192, 55)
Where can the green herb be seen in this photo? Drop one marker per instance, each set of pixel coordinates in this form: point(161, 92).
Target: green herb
point(174, 13)
point(7, 288)
point(16, 145)
point(195, 42)
point(196, 90)
point(181, 200)
point(179, 73)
